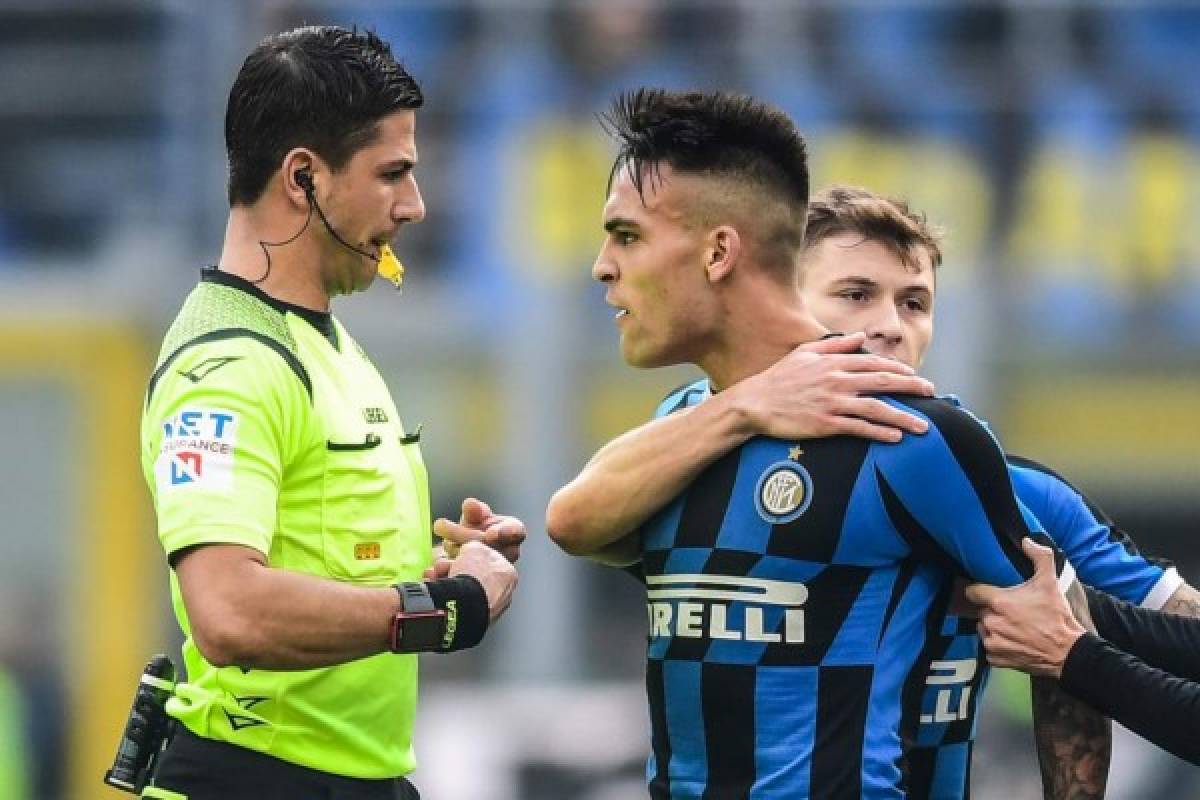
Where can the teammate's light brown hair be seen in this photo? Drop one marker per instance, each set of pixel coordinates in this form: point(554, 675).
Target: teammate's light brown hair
point(888, 221)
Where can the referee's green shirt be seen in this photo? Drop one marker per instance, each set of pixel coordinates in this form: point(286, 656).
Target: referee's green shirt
point(259, 431)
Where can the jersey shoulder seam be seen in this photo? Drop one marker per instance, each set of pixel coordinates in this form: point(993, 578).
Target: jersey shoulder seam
point(278, 347)
point(1021, 462)
point(942, 414)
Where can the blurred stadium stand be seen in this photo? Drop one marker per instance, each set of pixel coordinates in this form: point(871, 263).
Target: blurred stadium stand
point(1057, 142)
point(82, 110)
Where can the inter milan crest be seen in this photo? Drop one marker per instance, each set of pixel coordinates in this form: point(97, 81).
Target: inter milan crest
point(784, 492)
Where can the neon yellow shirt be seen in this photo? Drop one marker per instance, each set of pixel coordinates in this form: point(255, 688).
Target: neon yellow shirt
point(258, 431)
point(14, 777)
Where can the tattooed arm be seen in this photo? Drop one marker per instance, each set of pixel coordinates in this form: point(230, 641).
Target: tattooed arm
point(1185, 602)
point(1169, 641)
point(1153, 689)
point(1155, 660)
point(1074, 741)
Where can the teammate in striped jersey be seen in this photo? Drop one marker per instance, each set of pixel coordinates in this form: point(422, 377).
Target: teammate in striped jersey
point(794, 588)
point(869, 265)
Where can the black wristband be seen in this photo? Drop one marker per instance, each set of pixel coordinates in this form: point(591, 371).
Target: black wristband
point(465, 603)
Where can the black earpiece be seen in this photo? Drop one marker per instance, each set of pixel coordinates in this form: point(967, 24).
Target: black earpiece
point(304, 180)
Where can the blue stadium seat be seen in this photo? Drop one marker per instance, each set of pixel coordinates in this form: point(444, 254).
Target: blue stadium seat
point(530, 171)
point(1059, 241)
point(909, 67)
point(1152, 48)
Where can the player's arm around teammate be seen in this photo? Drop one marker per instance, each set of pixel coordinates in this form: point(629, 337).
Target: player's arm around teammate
point(818, 390)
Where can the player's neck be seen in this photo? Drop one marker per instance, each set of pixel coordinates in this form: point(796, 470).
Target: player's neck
point(293, 274)
point(758, 335)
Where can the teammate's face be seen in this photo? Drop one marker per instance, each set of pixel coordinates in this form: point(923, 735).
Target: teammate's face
point(851, 284)
point(652, 262)
point(369, 198)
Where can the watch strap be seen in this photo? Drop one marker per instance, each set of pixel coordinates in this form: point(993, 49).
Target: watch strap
point(415, 596)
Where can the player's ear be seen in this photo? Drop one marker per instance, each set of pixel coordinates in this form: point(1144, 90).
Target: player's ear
point(721, 255)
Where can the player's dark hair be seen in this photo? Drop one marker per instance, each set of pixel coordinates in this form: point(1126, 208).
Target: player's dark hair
point(717, 134)
point(325, 88)
point(885, 220)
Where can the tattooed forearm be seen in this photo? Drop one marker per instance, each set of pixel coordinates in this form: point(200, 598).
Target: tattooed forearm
point(1074, 741)
point(1185, 602)
point(1077, 600)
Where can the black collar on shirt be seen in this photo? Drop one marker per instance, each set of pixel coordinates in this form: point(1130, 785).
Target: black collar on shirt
point(321, 320)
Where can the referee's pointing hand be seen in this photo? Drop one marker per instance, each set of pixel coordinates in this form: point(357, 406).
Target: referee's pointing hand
point(479, 524)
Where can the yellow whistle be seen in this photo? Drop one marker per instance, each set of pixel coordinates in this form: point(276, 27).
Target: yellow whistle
point(390, 267)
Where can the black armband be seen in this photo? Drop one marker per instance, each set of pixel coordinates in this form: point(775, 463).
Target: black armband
point(440, 616)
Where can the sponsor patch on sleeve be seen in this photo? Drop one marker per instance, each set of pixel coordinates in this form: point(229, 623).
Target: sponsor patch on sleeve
point(199, 447)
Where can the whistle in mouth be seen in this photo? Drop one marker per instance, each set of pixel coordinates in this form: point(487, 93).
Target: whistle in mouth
point(390, 267)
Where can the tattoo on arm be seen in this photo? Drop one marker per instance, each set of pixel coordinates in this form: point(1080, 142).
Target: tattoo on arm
point(1077, 600)
point(1074, 741)
point(1185, 602)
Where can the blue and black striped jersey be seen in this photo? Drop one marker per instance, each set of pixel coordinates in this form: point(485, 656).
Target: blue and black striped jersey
point(797, 593)
point(1103, 557)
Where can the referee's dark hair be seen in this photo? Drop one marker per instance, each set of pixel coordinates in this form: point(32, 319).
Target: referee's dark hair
point(752, 146)
point(322, 87)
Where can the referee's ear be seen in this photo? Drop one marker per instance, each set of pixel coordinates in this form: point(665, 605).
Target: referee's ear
point(722, 254)
point(299, 161)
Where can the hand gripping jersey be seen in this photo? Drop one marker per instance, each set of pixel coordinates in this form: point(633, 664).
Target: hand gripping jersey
point(796, 593)
point(1103, 557)
point(259, 431)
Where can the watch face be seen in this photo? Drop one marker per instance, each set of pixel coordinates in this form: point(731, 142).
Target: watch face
point(417, 631)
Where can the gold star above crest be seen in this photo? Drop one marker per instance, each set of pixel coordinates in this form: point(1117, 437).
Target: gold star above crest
point(795, 453)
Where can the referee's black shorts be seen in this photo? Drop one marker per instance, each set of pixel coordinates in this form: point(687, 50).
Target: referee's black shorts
point(195, 768)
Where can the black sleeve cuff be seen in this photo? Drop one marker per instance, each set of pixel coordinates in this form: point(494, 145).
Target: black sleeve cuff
point(1079, 663)
point(1156, 705)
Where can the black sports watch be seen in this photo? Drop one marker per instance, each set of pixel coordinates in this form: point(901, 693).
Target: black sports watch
point(420, 625)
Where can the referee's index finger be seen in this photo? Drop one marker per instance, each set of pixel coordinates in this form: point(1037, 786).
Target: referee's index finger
point(454, 532)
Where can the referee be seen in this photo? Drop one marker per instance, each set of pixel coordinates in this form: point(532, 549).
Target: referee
point(292, 502)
